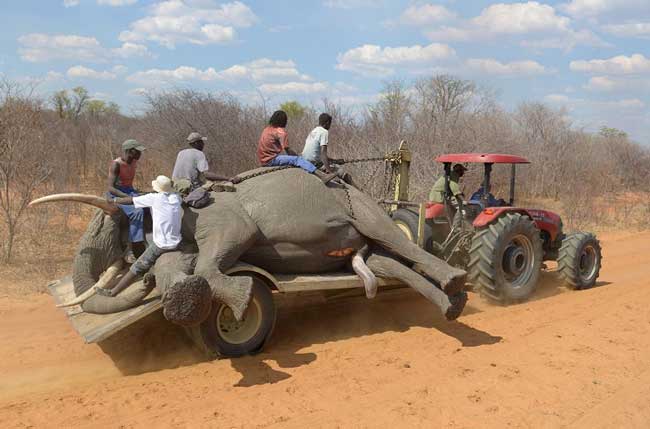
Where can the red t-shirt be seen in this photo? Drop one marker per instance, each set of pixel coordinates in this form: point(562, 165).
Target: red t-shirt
point(127, 172)
point(272, 142)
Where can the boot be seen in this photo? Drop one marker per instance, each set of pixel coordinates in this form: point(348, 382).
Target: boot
point(325, 177)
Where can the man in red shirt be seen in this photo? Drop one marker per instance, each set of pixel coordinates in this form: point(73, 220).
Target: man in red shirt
point(274, 141)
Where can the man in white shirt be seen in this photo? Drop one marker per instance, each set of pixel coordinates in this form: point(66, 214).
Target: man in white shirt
point(315, 150)
point(166, 214)
point(191, 164)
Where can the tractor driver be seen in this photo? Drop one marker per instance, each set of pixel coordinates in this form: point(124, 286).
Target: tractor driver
point(437, 194)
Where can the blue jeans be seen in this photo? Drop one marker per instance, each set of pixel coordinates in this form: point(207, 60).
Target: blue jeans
point(135, 215)
point(148, 259)
point(292, 160)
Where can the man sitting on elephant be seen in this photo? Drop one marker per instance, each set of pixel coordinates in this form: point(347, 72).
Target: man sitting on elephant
point(166, 214)
point(120, 184)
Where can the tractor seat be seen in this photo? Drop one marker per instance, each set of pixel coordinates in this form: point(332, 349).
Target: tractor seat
point(435, 210)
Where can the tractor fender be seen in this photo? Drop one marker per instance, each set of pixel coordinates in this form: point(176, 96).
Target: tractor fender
point(544, 220)
point(241, 267)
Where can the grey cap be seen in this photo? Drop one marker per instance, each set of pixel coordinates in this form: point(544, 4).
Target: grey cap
point(195, 137)
point(132, 144)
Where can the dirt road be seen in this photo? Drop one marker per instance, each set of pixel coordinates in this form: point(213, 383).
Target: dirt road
point(565, 359)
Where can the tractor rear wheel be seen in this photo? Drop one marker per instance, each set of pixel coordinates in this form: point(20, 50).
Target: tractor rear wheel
point(579, 260)
point(221, 335)
point(505, 259)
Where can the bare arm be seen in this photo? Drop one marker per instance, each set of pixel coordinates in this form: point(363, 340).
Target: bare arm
point(113, 173)
point(325, 159)
point(122, 200)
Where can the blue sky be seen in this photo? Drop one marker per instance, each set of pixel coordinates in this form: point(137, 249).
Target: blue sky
point(588, 56)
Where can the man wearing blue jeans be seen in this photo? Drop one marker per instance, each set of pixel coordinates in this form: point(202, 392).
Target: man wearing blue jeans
point(274, 141)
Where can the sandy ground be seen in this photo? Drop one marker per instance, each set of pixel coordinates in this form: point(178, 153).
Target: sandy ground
point(564, 359)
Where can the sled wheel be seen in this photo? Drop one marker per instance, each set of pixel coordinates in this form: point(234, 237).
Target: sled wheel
point(579, 260)
point(506, 258)
point(221, 335)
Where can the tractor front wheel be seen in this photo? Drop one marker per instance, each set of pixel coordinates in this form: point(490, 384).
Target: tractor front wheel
point(579, 260)
point(506, 258)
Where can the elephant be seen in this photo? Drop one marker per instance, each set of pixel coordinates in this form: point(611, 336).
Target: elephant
point(282, 220)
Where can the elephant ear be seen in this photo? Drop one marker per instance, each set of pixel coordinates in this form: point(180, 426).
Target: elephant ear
point(188, 301)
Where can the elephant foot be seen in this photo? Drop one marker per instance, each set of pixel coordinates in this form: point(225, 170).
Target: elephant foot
point(452, 283)
point(458, 302)
point(235, 292)
point(187, 301)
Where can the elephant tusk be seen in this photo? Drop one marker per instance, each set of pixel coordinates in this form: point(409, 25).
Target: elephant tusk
point(93, 200)
point(105, 280)
point(367, 277)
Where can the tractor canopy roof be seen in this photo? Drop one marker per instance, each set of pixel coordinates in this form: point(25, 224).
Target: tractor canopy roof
point(482, 158)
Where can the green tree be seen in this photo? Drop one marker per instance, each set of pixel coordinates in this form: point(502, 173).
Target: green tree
point(612, 133)
point(294, 109)
point(97, 108)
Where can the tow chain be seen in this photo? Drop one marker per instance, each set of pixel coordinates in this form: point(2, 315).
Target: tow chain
point(265, 171)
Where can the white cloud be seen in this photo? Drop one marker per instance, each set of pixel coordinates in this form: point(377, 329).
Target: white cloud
point(517, 20)
point(494, 67)
point(70, 3)
point(131, 50)
point(117, 2)
point(38, 47)
point(263, 70)
point(81, 72)
point(352, 4)
point(181, 74)
point(375, 60)
point(594, 8)
point(426, 14)
point(557, 99)
point(633, 29)
point(173, 22)
point(293, 88)
point(618, 84)
point(619, 65)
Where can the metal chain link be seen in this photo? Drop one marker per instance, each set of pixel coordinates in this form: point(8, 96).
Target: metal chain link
point(267, 171)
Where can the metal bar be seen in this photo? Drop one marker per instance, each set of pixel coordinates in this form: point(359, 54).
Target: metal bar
point(422, 218)
point(486, 184)
point(513, 172)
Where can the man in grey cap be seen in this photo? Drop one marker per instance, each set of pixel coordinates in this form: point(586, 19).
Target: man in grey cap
point(191, 163)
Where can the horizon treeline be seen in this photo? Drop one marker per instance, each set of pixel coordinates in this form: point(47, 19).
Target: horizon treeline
point(65, 144)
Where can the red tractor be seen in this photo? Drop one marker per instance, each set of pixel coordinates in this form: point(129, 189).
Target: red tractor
point(503, 247)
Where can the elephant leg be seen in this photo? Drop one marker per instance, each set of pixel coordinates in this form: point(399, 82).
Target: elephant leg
point(222, 238)
point(372, 222)
point(131, 297)
point(386, 266)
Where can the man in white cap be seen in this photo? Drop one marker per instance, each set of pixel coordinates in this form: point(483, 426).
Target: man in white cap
point(191, 164)
point(166, 214)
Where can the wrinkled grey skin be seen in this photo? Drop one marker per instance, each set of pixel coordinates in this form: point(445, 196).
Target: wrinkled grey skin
point(286, 221)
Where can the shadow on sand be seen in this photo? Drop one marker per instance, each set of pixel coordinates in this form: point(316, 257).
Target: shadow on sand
point(303, 320)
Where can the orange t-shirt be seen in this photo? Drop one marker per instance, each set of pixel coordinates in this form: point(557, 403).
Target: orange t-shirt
point(272, 142)
point(127, 172)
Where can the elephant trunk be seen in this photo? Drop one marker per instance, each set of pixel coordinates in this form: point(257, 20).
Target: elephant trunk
point(104, 281)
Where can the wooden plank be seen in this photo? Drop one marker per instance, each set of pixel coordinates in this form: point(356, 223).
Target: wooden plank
point(97, 327)
point(94, 328)
point(288, 283)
